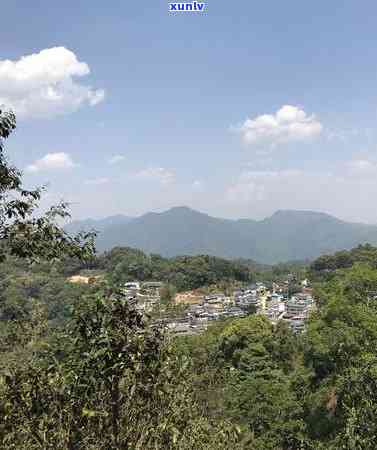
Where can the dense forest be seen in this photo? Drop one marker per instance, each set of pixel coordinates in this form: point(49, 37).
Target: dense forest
point(184, 272)
point(80, 368)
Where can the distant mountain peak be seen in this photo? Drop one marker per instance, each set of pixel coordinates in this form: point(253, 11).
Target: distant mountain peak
point(183, 209)
point(286, 235)
point(300, 213)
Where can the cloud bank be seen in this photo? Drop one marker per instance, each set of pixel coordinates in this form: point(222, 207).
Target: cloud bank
point(51, 161)
point(288, 124)
point(45, 84)
point(116, 159)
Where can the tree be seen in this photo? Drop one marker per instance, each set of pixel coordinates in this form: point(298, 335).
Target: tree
point(24, 233)
point(110, 382)
point(251, 309)
point(356, 406)
point(167, 294)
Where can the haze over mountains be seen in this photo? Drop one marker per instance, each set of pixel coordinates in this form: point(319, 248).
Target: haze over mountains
point(285, 236)
point(99, 225)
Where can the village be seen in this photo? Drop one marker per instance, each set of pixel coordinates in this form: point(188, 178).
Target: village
point(195, 311)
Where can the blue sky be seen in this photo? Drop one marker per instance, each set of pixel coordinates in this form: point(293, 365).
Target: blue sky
point(239, 111)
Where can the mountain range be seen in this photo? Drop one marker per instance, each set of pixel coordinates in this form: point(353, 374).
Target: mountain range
point(287, 235)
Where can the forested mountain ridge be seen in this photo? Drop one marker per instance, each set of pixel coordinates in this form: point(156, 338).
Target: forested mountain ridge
point(285, 236)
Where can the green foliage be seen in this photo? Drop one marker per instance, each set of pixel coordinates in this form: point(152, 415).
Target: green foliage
point(242, 376)
point(324, 267)
point(341, 337)
point(21, 284)
point(357, 408)
point(315, 391)
point(111, 381)
point(167, 294)
point(184, 272)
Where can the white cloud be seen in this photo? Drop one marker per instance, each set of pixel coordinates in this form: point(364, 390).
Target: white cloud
point(97, 181)
point(198, 185)
point(44, 84)
point(116, 159)
point(156, 174)
point(289, 123)
point(361, 167)
point(51, 161)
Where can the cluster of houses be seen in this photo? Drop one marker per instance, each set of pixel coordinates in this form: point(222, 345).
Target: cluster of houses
point(297, 310)
point(274, 302)
point(146, 296)
point(199, 311)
